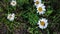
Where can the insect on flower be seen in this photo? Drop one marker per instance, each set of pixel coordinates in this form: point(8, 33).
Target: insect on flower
point(43, 23)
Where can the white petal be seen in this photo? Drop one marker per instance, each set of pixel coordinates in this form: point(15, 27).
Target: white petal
point(11, 18)
point(41, 27)
point(43, 7)
point(34, 0)
point(37, 0)
point(42, 12)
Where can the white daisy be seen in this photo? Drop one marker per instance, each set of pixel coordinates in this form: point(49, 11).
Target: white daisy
point(11, 17)
point(37, 2)
point(43, 23)
point(13, 3)
point(41, 9)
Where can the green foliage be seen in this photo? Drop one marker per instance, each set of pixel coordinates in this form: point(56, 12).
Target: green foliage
point(27, 10)
point(33, 18)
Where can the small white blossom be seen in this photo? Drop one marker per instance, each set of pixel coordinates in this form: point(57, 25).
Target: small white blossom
point(37, 2)
point(13, 3)
point(41, 9)
point(43, 23)
point(11, 17)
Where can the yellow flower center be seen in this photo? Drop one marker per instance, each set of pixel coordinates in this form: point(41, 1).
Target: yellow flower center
point(37, 2)
point(40, 9)
point(42, 23)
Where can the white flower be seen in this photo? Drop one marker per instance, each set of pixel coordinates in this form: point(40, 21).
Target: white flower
point(41, 9)
point(11, 17)
point(37, 2)
point(13, 3)
point(43, 23)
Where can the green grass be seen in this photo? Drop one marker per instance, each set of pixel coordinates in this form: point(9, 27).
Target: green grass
point(26, 17)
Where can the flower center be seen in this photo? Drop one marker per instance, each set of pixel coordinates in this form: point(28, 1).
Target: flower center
point(13, 2)
point(10, 16)
point(40, 9)
point(37, 2)
point(42, 23)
